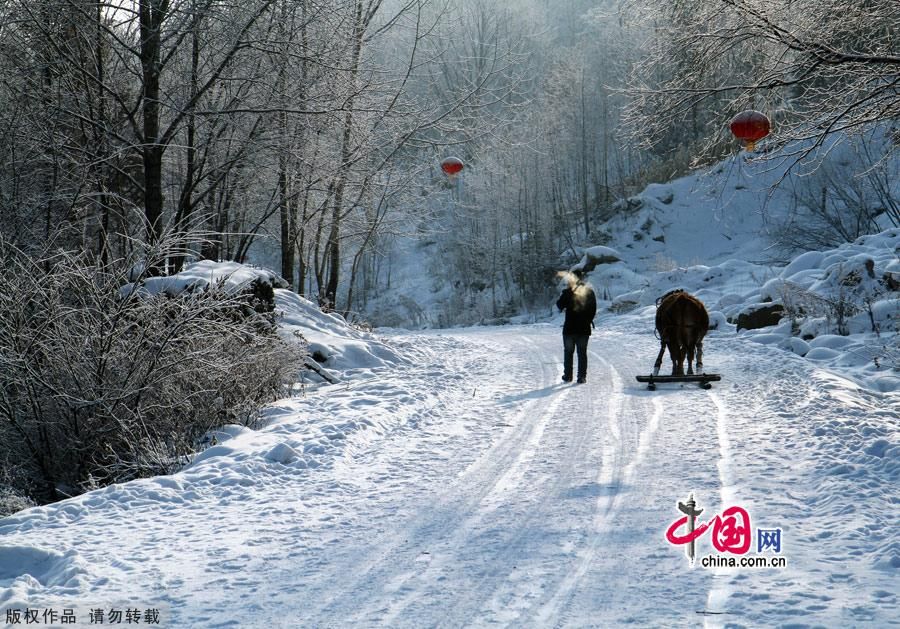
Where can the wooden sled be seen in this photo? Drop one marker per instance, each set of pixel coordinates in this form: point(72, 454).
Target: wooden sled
point(703, 379)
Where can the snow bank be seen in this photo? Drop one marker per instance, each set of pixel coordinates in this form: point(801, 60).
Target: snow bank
point(200, 275)
point(840, 308)
point(338, 349)
point(334, 344)
point(28, 570)
point(843, 306)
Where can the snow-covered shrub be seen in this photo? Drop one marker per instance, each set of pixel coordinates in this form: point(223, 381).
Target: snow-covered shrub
point(888, 354)
point(100, 384)
point(849, 193)
point(255, 286)
point(810, 313)
point(848, 288)
point(11, 501)
point(848, 298)
point(13, 498)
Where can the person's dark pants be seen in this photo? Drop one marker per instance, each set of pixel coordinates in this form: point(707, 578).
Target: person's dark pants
point(570, 343)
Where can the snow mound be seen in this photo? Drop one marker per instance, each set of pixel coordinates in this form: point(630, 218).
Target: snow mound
point(334, 344)
point(845, 304)
point(46, 567)
point(337, 348)
point(204, 273)
point(28, 570)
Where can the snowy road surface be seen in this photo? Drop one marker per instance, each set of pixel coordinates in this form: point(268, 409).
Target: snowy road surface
point(472, 488)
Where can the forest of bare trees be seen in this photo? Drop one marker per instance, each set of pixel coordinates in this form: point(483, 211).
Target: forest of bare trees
point(306, 133)
point(620, 94)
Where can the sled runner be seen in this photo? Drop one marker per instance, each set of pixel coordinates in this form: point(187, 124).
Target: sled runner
point(703, 379)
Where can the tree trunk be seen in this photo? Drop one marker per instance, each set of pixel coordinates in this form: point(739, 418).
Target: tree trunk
point(101, 138)
point(151, 16)
point(185, 200)
point(286, 208)
point(286, 212)
point(586, 212)
point(334, 235)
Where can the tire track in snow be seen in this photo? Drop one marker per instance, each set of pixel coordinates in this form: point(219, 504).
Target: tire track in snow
point(644, 439)
point(610, 476)
point(621, 522)
point(721, 586)
point(402, 545)
point(489, 505)
point(527, 451)
point(505, 601)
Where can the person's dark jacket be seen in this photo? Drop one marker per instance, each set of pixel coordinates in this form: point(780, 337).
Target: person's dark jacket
point(579, 312)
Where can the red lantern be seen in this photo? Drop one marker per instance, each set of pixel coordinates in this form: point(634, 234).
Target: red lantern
point(750, 126)
point(452, 165)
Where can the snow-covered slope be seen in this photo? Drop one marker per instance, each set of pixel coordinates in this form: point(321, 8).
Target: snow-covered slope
point(736, 209)
point(335, 346)
point(338, 347)
point(710, 234)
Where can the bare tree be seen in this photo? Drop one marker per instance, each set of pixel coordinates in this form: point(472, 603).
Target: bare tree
point(818, 67)
point(847, 194)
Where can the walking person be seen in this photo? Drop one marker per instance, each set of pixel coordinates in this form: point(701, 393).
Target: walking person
point(580, 304)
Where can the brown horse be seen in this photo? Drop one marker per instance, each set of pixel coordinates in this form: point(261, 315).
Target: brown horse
point(682, 322)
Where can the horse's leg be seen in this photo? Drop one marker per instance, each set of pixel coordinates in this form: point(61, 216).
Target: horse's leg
point(675, 352)
point(700, 355)
point(676, 355)
point(658, 363)
point(690, 343)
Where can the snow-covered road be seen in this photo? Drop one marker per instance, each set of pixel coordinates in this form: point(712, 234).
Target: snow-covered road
point(471, 487)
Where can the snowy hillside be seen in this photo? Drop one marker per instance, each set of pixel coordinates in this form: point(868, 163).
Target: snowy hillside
point(710, 233)
point(840, 308)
